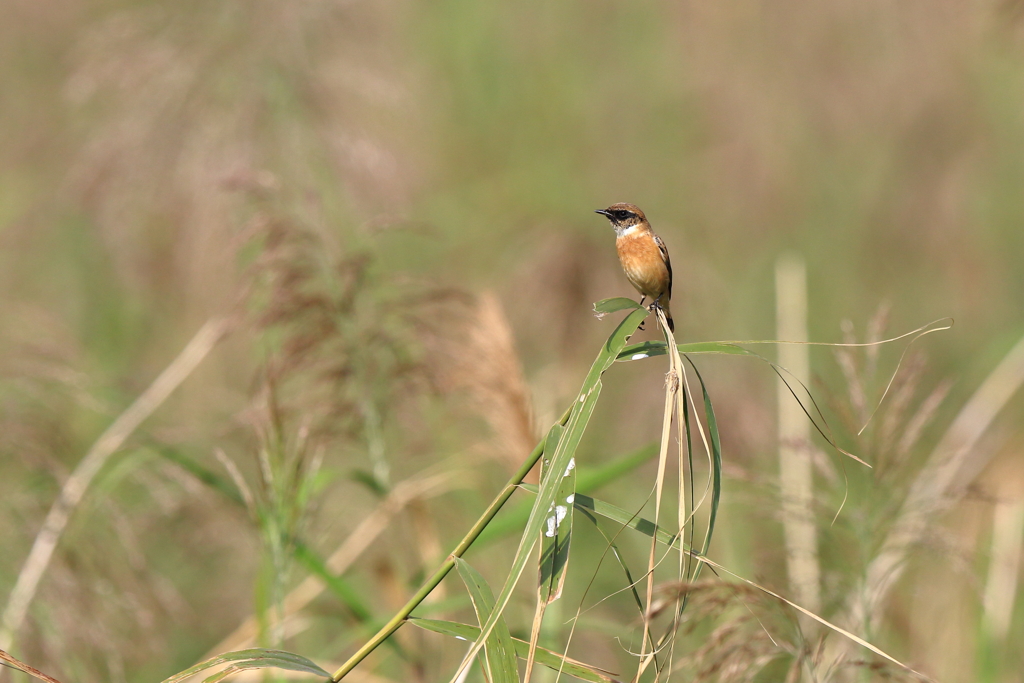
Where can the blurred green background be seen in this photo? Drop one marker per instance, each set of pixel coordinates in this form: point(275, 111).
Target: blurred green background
point(392, 203)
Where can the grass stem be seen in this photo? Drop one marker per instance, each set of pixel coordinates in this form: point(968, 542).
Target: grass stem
point(796, 481)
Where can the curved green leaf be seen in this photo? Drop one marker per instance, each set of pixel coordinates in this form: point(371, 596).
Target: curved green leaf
point(618, 303)
point(716, 464)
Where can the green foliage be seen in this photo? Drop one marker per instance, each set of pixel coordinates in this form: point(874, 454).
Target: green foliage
point(344, 181)
point(579, 416)
point(499, 651)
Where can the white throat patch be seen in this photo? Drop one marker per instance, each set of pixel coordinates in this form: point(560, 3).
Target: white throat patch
point(626, 232)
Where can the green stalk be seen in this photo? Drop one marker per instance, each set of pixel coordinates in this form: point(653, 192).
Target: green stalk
point(442, 571)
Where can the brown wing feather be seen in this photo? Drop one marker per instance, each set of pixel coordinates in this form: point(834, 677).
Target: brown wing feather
point(668, 262)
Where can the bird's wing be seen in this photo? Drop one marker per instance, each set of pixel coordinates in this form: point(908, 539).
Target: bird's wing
point(668, 262)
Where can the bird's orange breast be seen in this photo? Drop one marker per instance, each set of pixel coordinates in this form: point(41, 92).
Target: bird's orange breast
point(644, 266)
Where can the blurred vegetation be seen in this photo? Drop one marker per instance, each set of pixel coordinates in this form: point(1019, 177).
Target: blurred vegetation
point(392, 204)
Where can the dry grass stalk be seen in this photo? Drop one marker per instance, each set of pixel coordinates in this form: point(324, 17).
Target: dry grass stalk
point(673, 386)
point(677, 390)
point(78, 483)
point(1004, 566)
point(10, 661)
point(795, 466)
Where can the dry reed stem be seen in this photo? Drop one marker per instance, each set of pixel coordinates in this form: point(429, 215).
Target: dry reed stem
point(939, 484)
point(675, 381)
point(795, 477)
point(357, 542)
point(76, 485)
point(22, 666)
point(684, 518)
point(1004, 567)
point(672, 384)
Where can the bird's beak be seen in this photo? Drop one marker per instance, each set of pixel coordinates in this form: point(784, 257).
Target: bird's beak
point(603, 212)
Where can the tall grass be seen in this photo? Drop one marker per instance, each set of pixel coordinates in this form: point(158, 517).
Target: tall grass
point(393, 201)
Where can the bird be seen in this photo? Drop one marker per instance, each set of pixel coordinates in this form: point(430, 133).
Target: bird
point(643, 255)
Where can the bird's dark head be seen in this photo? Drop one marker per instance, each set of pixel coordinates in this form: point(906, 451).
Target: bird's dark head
point(623, 216)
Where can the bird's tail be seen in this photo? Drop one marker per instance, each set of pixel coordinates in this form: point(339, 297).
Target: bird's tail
point(668, 314)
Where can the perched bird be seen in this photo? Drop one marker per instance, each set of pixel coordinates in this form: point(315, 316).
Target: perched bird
point(643, 255)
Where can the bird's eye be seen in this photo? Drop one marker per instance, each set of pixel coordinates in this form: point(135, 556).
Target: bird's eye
point(623, 214)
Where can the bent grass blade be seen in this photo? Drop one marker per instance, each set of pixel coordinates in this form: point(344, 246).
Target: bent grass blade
point(254, 658)
point(716, 463)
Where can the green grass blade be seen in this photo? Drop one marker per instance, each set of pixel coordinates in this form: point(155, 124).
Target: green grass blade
point(254, 658)
point(716, 463)
point(221, 485)
point(618, 303)
point(591, 479)
point(687, 427)
point(341, 588)
point(499, 652)
point(650, 349)
point(619, 557)
point(454, 629)
point(309, 559)
point(548, 658)
point(583, 409)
